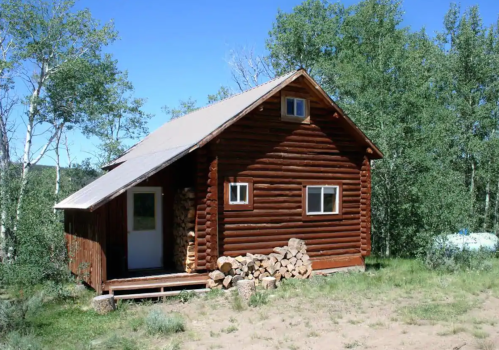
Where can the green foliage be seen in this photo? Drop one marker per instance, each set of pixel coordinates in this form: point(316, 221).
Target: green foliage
point(14, 314)
point(157, 322)
point(185, 296)
point(430, 104)
point(448, 260)
point(258, 299)
point(20, 341)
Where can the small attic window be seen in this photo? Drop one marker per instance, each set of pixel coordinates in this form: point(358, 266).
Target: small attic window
point(295, 107)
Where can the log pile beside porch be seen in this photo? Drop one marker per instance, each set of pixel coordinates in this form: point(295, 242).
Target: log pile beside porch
point(291, 261)
point(184, 214)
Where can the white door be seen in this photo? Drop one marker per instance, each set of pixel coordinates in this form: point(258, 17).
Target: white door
point(145, 232)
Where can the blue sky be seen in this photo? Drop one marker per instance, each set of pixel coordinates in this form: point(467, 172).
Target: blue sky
point(179, 49)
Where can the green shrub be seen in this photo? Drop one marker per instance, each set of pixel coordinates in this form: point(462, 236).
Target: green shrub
point(158, 322)
point(258, 299)
point(19, 341)
point(14, 314)
point(453, 260)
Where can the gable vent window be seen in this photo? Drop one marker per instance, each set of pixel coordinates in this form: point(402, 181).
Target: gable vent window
point(295, 107)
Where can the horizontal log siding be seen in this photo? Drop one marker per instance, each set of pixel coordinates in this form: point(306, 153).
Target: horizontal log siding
point(365, 207)
point(279, 156)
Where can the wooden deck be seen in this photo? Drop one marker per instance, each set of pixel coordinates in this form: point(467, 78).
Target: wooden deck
point(173, 282)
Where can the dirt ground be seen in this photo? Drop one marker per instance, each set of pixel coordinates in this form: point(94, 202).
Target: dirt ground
point(328, 324)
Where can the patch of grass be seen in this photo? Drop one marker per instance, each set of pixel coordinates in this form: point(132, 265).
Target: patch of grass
point(19, 341)
point(70, 325)
point(158, 322)
point(237, 302)
point(214, 294)
point(185, 296)
point(480, 334)
point(485, 345)
point(312, 334)
point(231, 329)
point(351, 345)
point(214, 334)
point(452, 331)
point(119, 342)
point(173, 345)
point(378, 324)
point(258, 299)
point(435, 311)
point(136, 323)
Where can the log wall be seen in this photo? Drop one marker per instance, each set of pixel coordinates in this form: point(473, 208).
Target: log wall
point(280, 156)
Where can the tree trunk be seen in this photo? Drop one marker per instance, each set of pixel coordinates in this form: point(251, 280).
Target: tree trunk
point(496, 207)
point(487, 206)
point(57, 167)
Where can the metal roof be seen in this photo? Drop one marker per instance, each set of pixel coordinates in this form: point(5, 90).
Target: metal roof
point(182, 135)
point(163, 146)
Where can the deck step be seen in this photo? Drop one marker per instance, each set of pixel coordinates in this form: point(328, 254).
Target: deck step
point(158, 294)
point(156, 285)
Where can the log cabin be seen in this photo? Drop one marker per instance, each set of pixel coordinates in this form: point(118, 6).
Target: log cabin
point(245, 174)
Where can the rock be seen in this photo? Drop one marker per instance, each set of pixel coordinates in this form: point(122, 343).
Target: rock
point(214, 284)
point(269, 283)
point(217, 275)
point(295, 243)
point(246, 288)
point(236, 279)
point(226, 282)
point(224, 264)
point(104, 304)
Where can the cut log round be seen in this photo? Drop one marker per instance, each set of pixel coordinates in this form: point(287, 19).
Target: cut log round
point(269, 283)
point(246, 288)
point(104, 304)
point(224, 264)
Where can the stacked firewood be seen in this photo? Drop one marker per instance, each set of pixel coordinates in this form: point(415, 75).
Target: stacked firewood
point(291, 261)
point(184, 213)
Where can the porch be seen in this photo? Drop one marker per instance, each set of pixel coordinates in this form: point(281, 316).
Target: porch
point(156, 285)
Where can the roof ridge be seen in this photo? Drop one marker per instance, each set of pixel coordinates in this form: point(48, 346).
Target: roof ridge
point(240, 93)
point(113, 162)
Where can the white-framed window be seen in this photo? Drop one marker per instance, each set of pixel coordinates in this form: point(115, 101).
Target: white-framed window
point(322, 200)
point(295, 107)
point(238, 193)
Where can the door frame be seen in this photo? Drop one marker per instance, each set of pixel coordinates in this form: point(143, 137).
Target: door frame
point(158, 207)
